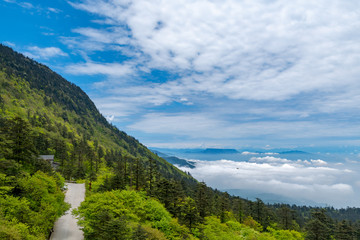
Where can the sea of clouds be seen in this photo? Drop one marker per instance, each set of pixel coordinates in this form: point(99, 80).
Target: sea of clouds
point(312, 180)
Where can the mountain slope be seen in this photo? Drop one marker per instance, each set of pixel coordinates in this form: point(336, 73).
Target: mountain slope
point(60, 112)
point(174, 160)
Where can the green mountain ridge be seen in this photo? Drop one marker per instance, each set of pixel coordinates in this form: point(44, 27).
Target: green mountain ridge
point(31, 89)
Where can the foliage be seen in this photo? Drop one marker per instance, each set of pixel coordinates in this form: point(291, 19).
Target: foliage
point(32, 211)
point(250, 222)
point(214, 229)
point(285, 234)
point(122, 214)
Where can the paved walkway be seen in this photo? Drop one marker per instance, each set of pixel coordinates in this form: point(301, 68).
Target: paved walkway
point(66, 227)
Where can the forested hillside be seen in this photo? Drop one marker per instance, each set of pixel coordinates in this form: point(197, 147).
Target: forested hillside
point(134, 194)
point(64, 120)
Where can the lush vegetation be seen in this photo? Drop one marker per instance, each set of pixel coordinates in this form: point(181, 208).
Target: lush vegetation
point(132, 193)
point(30, 191)
point(128, 214)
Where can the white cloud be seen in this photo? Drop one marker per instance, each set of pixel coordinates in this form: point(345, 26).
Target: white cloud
point(115, 107)
point(54, 10)
point(244, 50)
point(45, 53)
point(278, 69)
point(125, 101)
point(110, 118)
point(11, 44)
point(279, 176)
point(26, 5)
point(318, 162)
point(269, 159)
point(104, 36)
point(206, 125)
point(184, 124)
point(271, 153)
point(249, 153)
point(90, 68)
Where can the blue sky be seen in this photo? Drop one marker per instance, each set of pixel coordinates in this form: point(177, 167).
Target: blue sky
point(209, 73)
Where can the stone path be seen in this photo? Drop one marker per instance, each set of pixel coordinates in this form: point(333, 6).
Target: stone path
point(66, 227)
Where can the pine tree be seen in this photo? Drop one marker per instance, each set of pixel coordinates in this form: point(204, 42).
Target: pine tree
point(4, 144)
point(61, 152)
point(343, 231)
point(2, 103)
point(287, 218)
point(224, 206)
point(139, 176)
point(240, 210)
point(202, 199)
point(189, 214)
point(100, 155)
point(21, 141)
point(151, 176)
point(118, 181)
point(319, 227)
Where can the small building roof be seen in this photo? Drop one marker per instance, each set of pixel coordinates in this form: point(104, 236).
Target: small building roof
point(47, 157)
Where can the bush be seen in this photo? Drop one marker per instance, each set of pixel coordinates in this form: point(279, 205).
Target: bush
point(122, 214)
point(32, 213)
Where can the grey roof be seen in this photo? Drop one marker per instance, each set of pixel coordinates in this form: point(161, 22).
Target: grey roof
point(47, 157)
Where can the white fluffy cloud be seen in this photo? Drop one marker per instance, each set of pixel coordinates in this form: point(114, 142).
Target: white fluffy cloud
point(294, 179)
point(269, 159)
point(257, 50)
point(274, 69)
point(45, 53)
point(110, 69)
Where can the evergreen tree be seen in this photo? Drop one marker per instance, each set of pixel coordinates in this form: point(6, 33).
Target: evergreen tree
point(80, 149)
point(4, 144)
point(151, 176)
point(287, 218)
point(224, 206)
point(189, 214)
point(319, 227)
point(202, 200)
point(2, 103)
point(118, 181)
point(343, 231)
point(61, 152)
point(170, 193)
point(239, 210)
point(100, 155)
point(21, 141)
point(139, 176)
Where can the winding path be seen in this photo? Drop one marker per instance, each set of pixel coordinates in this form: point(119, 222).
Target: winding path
point(66, 227)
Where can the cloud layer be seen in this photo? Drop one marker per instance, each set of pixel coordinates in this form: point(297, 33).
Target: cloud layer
point(312, 180)
point(271, 63)
point(257, 50)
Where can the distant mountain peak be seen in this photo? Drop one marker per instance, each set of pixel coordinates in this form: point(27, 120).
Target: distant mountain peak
point(218, 151)
point(293, 152)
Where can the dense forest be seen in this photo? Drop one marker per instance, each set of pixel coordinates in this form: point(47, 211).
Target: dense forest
point(134, 194)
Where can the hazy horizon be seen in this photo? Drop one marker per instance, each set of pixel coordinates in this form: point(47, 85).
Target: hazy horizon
point(316, 179)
